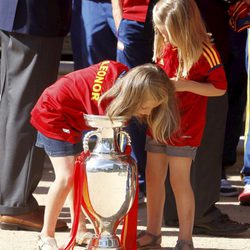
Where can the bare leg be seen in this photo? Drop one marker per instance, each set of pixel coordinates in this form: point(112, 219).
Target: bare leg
point(64, 176)
point(156, 171)
point(180, 182)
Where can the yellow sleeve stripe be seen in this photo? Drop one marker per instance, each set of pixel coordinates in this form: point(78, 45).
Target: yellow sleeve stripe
point(208, 59)
point(211, 55)
point(242, 11)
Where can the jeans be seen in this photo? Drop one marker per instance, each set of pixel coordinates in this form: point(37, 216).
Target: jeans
point(93, 36)
point(245, 171)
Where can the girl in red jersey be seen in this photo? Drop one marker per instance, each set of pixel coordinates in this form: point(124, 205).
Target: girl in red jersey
point(183, 48)
point(144, 91)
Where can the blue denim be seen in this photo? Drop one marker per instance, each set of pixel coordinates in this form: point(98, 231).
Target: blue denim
point(245, 171)
point(93, 32)
point(137, 41)
point(57, 148)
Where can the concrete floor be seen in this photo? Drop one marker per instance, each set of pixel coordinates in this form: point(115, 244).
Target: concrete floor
point(24, 240)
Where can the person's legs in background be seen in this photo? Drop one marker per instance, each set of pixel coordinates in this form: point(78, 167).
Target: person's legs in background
point(27, 68)
point(244, 197)
point(237, 83)
point(135, 47)
point(93, 36)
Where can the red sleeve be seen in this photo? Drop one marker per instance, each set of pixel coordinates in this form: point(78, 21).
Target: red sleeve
point(217, 77)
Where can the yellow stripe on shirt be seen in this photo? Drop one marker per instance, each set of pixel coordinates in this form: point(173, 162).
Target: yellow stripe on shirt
point(212, 54)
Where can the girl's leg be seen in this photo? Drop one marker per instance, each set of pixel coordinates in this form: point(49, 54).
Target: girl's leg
point(64, 176)
point(184, 197)
point(156, 170)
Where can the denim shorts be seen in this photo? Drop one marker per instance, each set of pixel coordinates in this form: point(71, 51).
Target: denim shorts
point(57, 148)
point(183, 151)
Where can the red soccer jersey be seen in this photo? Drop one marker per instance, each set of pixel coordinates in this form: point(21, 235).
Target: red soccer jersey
point(135, 10)
point(192, 107)
point(59, 111)
point(239, 16)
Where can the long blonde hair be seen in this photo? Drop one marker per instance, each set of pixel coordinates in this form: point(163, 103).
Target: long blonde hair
point(131, 91)
point(185, 29)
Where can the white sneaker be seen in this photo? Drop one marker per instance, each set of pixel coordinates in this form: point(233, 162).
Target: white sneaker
point(47, 243)
point(226, 189)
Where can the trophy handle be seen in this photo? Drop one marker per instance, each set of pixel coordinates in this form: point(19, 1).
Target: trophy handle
point(123, 134)
point(85, 141)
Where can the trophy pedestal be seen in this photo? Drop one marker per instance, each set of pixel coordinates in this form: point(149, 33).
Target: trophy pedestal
point(105, 242)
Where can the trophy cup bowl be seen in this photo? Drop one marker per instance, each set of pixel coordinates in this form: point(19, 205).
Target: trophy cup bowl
point(111, 179)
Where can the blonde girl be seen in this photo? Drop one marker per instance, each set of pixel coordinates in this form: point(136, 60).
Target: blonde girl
point(183, 49)
point(105, 88)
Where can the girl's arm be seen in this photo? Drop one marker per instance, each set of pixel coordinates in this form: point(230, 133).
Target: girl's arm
point(204, 89)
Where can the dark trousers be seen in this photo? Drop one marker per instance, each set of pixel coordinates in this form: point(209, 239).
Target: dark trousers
point(28, 65)
point(237, 89)
point(206, 169)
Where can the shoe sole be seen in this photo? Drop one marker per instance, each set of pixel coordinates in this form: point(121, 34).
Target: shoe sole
point(17, 227)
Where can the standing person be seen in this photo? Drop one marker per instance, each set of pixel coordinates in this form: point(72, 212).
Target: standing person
point(237, 89)
point(206, 168)
point(244, 197)
point(183, 48)
point(93, 32)
point(133, 21)
point(144, 92)
point(32, 35)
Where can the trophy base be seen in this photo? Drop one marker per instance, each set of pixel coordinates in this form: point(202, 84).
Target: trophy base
point(105, 243)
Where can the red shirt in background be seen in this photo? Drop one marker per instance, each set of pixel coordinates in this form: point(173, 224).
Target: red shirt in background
point(58, 114)
point(239, 16)
point(135, 10)
point(192, 107)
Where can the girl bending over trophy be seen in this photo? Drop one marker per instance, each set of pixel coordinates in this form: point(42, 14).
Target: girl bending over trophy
point(107, 88)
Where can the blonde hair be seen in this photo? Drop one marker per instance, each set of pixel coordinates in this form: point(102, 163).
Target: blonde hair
point(132, 90)
point(185, 29)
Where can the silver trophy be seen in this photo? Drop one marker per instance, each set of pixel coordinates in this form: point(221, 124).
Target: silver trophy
point(111, 179)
